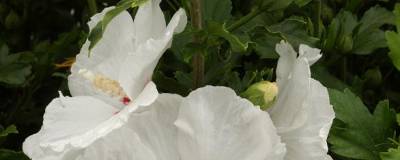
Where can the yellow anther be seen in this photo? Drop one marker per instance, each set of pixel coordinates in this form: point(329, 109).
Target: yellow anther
point(104, 83)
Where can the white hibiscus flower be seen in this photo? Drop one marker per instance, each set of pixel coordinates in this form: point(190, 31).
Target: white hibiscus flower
point(212, 123)
point(302, 112)
point(107, 85)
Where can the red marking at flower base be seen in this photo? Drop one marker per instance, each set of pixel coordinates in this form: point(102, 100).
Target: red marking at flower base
point(126, 100)
point(116, 112)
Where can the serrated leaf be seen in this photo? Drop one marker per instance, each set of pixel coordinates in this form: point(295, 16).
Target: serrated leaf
point(14, 68)
point(219, 30)
point(374, 18)
point(265, 45)
point(9, 130)
point(391, 154)
point(97, 32)
point(393, 40)
point(342, 26)
point(6, 154)
point(369, 36)
point(218, 11)
point(293, 30)
point(356, 133)
point(365, 44)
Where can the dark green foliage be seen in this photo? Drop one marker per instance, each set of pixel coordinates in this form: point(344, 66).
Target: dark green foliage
point(357, 133)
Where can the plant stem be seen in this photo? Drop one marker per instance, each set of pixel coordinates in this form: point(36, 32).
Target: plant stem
point(171, 5)
point(246, 19)
point(317, 17)
point(198, 59)
point(92, 7)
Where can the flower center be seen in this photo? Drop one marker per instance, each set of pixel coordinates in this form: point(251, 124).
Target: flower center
point(106, 85)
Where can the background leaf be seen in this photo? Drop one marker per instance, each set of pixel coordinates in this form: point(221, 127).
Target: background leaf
point(12, 155)
point(356, 133)
point(369, 36)
point(217, 11)
point(392, 154)
point(9, 130)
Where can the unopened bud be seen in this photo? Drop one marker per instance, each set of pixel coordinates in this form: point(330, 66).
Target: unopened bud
point(262, 94)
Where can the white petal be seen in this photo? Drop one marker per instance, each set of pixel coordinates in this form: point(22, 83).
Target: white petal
point(291, 96)
point(148, 95)
point(285, 63)
point(73, 123)
point(121, 144)
point(308, 142)
point(302, 113)
point(177, 23)
point(106, 57)
point(149, 135)
point(156, 128)
point(216, 124)
point(31, 147)
point(80, 86)
point(139, 66)
point(149, 22)
point(311, 54)
point(67, 117)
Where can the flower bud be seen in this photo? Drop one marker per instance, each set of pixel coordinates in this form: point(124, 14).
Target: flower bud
point(346, 44)
point(373, 78)
point(12, 20)
point(262, 94)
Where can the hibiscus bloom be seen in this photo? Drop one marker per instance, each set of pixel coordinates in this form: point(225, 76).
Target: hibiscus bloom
point(212, 123)
point(108, 85)
point(302, 112)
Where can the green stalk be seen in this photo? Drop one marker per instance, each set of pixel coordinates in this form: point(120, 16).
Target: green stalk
point(198, 59)
point(171, 5)
point(317, 17)
point(92, 7)
point(255, 12)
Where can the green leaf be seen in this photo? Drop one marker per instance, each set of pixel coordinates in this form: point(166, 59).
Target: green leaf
point(14, 68)
point(9, 130)
point(170, 85)
point(356, 133)
point(218, 11)
point(366, 43)
point(321, 74)
point(391, 154)
point(273, 5)
point(6, 154)
point(397, 16)
point(398, 118)
point(97, 32)
point(184, 79)
point(393, 40)
point(302, 3)
point(293, 29)
point(369, 36)
point(374, 18)
point(219, 30)
point(340, 32)
point(265, 45)
point(13, 20)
